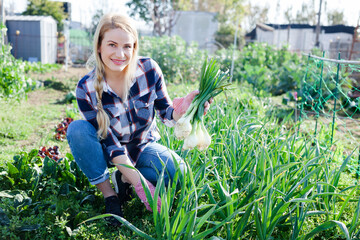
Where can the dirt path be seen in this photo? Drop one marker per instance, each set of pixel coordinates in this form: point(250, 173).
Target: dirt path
point(39, 97)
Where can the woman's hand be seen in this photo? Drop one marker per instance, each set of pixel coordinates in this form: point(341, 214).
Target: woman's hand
point(132, 176)
point(182, 104)
point(141, 194)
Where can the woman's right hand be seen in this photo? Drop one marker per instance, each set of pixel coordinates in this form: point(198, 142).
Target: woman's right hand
point(141, 193)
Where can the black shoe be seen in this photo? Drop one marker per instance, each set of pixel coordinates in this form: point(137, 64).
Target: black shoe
point(123, 190)
point(113, 206)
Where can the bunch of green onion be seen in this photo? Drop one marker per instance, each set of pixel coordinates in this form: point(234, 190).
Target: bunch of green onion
point(190, 126)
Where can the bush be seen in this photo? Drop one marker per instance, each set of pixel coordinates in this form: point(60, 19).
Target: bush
point(264, 67)
point(43, 196)
point(179, 62)
point(14, 83)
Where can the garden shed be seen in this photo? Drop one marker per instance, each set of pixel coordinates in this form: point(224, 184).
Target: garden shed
point(33, 38)
point(302, 37)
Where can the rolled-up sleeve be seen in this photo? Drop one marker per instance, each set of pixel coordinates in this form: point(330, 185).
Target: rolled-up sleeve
point(113, 146)
point(163, 103)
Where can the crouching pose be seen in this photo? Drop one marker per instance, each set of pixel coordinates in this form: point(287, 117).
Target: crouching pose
point(118, 100)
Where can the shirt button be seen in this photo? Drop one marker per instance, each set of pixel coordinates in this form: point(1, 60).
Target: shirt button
point(130, 123)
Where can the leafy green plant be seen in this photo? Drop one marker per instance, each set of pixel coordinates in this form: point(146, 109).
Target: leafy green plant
point(57, 189)
point(179, 62)
point(14, 82)
point(254, 181)
point(269, 70)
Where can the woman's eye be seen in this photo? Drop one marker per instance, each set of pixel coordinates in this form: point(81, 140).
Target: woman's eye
point(112, 45)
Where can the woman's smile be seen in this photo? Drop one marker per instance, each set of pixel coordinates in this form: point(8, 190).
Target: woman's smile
point(118, 62)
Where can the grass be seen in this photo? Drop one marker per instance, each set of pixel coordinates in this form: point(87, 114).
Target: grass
point(24, 126)
point(30, 123)
point(257, 180)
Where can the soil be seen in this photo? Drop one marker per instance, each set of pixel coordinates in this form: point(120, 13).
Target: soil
point(45, 96)
point(62, 74)
point(40, 97)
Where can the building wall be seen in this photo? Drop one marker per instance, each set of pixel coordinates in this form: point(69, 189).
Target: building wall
point(48, 42)
point(37, 40)
point(335, 43)
point(303, 40)
point(196, 26)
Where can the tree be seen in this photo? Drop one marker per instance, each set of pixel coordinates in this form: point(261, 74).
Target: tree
point(335, 17)
point(47, 8)
point(230, 13)
point(256, 14)
point(161, 13)
point(288, 15)
point(95, 21)
point(307, 14)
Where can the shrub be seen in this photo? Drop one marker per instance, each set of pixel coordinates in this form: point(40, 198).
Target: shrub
point(178, 60)
point(264, 67)
point(14, 83)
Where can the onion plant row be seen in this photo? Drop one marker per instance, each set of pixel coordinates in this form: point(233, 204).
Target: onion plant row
point(257, 180)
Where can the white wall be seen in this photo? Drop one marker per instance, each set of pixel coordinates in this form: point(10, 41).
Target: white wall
point(196, 26)
point(303, 40)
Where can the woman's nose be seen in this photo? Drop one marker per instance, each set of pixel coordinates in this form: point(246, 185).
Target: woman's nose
point(120, 52)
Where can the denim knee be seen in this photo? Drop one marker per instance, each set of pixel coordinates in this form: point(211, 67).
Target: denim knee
point(78, 128)
point(156, 158)
point(87, 151)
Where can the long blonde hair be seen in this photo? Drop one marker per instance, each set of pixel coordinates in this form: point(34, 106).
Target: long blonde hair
point(108, 22)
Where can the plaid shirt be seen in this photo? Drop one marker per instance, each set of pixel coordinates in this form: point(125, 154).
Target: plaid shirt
point(132, 122)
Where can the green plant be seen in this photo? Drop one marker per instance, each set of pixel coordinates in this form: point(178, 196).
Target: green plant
point(13, 81)
point(179, 61)
point(254, 181)
point(269, 70)
point(56, 189)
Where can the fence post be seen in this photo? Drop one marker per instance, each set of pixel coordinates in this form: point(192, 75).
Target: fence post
point(320, 94)
point(335, 96)
point(358, 169)
point(302, 91)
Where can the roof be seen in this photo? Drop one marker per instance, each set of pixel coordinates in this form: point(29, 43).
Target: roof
point(326, 29)
point(28, 18)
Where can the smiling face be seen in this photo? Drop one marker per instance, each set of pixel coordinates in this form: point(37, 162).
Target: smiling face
point(116, 50)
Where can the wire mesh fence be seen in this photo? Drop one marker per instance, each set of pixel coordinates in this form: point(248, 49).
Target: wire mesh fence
point(329, 104)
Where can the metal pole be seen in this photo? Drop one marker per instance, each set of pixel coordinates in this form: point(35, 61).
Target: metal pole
point(67, 43)
point(2, 12)
point(2, 21)
point(358, 169)
point(320, 94)
point(317, 42)
point(302, 87)
point(335, 96)
point(233, 56)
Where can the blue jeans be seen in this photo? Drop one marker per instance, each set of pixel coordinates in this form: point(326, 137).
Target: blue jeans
point(92, 160)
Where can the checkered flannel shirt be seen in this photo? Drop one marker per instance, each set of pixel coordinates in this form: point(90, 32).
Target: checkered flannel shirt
point(132, 122)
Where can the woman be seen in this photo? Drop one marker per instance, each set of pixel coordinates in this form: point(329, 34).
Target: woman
point(118, 99)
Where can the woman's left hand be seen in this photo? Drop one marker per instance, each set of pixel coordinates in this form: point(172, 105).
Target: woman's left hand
point(182, 104)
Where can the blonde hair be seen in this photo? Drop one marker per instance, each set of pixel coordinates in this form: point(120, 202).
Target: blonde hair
point(108, 22)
